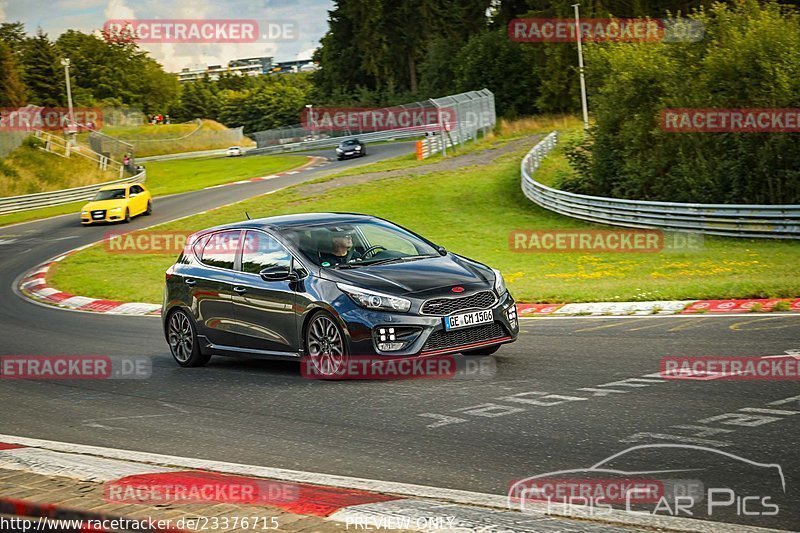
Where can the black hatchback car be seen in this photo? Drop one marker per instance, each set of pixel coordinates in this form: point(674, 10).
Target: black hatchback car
point(350, 148)
point(328, 287)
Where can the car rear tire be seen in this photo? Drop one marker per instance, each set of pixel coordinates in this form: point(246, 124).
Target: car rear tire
point(149, 210)
point(326, 354)
point(489, 350)
point(127, 216)
point(182, 340)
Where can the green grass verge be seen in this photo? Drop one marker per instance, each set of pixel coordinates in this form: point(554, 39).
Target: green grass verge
point(182, 175)
point(472, 211)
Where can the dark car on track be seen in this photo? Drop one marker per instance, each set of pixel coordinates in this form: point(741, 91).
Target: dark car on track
point(350, 148)
point(327, 287)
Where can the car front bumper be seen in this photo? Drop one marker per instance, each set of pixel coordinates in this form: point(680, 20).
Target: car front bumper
point(425, 335)
point(349, 155)
point(107, 217)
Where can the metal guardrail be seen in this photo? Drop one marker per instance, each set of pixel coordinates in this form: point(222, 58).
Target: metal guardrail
point(473, 112)
point(13, 204)
point(732, 220)
point(328, 142)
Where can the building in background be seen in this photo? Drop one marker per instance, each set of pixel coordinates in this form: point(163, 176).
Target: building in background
point(250, 66)
point(298, 65)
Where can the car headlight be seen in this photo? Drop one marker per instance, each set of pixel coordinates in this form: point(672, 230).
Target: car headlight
point(116, 210)
point(499, 283)
point(358, 148)
point(338, 150)
point(84, 212)
point(375, 300)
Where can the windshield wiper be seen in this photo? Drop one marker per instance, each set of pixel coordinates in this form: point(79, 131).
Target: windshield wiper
point(400, 259)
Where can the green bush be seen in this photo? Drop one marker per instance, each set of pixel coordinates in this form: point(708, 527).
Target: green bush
point(32, 142)
point(748, 58)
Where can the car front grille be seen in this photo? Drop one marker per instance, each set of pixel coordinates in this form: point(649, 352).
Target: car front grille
point(99, 214)
point(447, 306)
point(440, 340)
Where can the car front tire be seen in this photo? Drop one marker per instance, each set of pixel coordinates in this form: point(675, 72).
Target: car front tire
point(149, 210)
point(127, 216)
point(326, 355)
point(182, 340)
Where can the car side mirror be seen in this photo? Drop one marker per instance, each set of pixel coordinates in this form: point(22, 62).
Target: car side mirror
point(442, 250)
point(278, 273)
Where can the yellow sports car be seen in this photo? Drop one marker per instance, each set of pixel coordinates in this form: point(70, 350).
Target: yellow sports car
point(115, 203)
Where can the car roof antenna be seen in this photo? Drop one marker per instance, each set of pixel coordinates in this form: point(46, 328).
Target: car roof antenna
point(247, 215)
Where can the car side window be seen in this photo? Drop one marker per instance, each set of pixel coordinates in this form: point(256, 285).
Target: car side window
point(220, 249)
point(263, 251)
point(134, 190)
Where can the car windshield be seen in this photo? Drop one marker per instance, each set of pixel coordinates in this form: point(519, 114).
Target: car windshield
point(356, 244)
point(110, 194)
point(351, 142)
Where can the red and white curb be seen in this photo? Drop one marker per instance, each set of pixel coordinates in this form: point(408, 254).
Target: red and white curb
point(664, 307)
point(34, 285)
point(315, 162)
point(361, 503)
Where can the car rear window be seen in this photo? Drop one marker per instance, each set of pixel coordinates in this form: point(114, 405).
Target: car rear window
point(219, 249)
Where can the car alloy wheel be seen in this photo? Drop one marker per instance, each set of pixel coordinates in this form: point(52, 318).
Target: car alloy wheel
point(183, 340)
point(325, 346)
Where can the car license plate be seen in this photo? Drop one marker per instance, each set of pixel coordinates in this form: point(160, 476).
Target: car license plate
point(466, 320)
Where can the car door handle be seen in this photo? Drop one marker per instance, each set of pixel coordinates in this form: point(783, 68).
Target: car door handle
point(239, 290)
point(190, 282)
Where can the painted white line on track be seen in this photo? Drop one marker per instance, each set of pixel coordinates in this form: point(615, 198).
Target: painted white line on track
point(80, 467)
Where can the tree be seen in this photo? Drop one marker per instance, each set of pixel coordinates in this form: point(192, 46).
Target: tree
point(13, 34)
point(506, 68)
point(12, 90)
point(748, 59)
point(42, 74)
point(116, 72)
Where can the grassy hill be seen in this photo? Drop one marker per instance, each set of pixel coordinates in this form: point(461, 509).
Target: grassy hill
point(29, 170)
point(162, 139)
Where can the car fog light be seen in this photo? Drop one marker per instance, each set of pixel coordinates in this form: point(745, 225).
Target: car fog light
point(390, 346)
point(386, 334)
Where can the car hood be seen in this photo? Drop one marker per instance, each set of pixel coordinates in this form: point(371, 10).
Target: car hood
point(421, 278)
point(105, 204)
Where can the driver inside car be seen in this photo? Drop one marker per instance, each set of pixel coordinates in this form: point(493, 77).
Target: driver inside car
point(341, 246)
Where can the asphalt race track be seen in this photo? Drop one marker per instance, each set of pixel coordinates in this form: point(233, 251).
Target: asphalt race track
point(556, 400)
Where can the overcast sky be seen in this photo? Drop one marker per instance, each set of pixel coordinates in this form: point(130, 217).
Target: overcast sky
point(56, 16)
